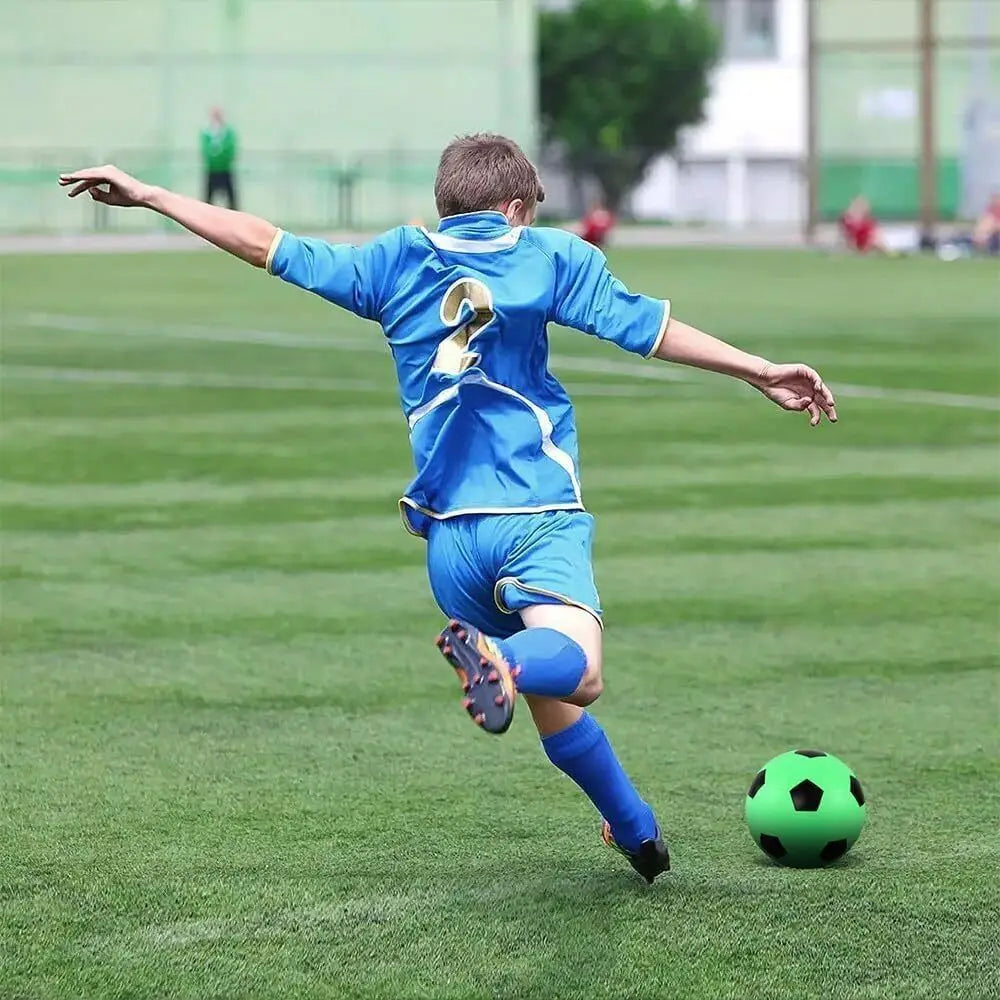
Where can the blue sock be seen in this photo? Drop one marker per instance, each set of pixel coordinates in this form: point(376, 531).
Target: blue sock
point(551, 663)
point(583, 752)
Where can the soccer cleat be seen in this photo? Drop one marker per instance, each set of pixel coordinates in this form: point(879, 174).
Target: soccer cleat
point(487, 678)
point(650, 860)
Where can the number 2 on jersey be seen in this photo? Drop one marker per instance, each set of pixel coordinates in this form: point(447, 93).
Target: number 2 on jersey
point(454, 355)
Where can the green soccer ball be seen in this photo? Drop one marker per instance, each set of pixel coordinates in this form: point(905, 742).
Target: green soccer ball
point(805, 808)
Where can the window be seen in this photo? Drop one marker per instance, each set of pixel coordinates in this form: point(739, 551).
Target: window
point(748, 27)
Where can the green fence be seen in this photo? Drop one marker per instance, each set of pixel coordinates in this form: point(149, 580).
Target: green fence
point(340, 106)
point(305, 191)
point(870, 94)
point(892, 185)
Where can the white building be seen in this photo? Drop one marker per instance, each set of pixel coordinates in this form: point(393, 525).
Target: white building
point(745, 164)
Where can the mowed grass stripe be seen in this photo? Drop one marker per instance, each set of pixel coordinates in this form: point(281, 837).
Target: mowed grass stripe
point(237, 423)
point(349, 542)
point(896, 394)
point(96, 326)
point(680, 467)
point(688, 586)
point(695, 654)
point(73, 517)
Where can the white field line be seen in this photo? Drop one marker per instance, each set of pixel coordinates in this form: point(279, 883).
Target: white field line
point(183, 380)
point(597, 366)
point(655, 372)
point(222, 380)
point(920, 397)
point(202, 332)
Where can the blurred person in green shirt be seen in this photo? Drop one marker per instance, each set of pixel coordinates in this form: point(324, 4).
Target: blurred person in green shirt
point(218, 154)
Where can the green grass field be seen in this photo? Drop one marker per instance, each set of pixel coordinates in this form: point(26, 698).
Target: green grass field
point(234, 765)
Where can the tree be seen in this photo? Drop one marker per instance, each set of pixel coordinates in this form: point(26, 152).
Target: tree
point(619, 80)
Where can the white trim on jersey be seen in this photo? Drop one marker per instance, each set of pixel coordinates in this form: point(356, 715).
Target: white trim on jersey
point(549, 447)
point(455, 245)
point(663, 329)
point(462, 512)
point(272, 250)
point(432, 404)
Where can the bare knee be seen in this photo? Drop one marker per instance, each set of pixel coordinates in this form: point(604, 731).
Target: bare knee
point(583, 628)
point(591, 684)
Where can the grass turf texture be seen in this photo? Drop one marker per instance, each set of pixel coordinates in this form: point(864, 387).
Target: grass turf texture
point(235, 766)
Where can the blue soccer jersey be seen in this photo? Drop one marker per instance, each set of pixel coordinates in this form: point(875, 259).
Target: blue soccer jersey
point(465, 311)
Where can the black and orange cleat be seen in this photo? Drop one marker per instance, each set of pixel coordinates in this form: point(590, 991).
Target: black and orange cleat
point(650, 860)
point(487, 678)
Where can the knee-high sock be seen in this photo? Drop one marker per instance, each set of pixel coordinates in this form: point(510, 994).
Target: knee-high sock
point(583, 752)
point(550, 662)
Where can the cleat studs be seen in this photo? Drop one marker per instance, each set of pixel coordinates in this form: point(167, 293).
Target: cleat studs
point(493, 677)
point(462, 634)
point(446, 649)
point(439, 641)
point(467, 703)
point(454, 626)
point(466, 687)
point(480, 719)
point(483, 662)
point(499, 699)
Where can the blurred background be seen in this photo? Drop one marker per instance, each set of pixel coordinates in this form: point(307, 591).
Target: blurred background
point(341, 106)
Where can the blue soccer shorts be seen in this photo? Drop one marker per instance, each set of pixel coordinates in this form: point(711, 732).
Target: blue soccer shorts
point(485, 568)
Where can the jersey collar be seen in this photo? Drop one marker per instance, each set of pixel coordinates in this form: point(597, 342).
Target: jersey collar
point(473, 224)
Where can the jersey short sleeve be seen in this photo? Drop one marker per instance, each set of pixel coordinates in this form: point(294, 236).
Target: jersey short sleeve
point(590, 298)
point(356, 278)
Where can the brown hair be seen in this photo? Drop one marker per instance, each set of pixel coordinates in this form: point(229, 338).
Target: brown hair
point(484, 171)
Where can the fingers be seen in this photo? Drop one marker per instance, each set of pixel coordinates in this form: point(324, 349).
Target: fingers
point(99, 194)
point(87, 174)
point(807, 403)
point(822, 395)
point(87, 178)
point(84, 186)
point(77, 175)
point(797, 403)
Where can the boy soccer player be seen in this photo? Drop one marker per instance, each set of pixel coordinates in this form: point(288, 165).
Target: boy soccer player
point(496, 493)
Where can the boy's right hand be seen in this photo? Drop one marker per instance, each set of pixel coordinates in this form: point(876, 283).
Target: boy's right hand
point(797, 387)
point(108, 185)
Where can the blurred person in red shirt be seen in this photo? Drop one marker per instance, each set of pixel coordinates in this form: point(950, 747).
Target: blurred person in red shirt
point(860, 228)
point(986, 235)
point(597, 224)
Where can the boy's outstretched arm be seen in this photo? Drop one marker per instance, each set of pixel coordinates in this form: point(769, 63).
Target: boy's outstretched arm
point(792, 387)
point(241, 234)
point(590, 298)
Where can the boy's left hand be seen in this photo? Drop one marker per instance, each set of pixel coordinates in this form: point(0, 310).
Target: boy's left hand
point(797, 387)
point(109, 185)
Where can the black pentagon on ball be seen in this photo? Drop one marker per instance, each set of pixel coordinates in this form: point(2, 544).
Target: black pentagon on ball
point(835, 849)
point(806, 796)
point(756, 784)
point(857, 791)
point(811, 753)
point(773, 846)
